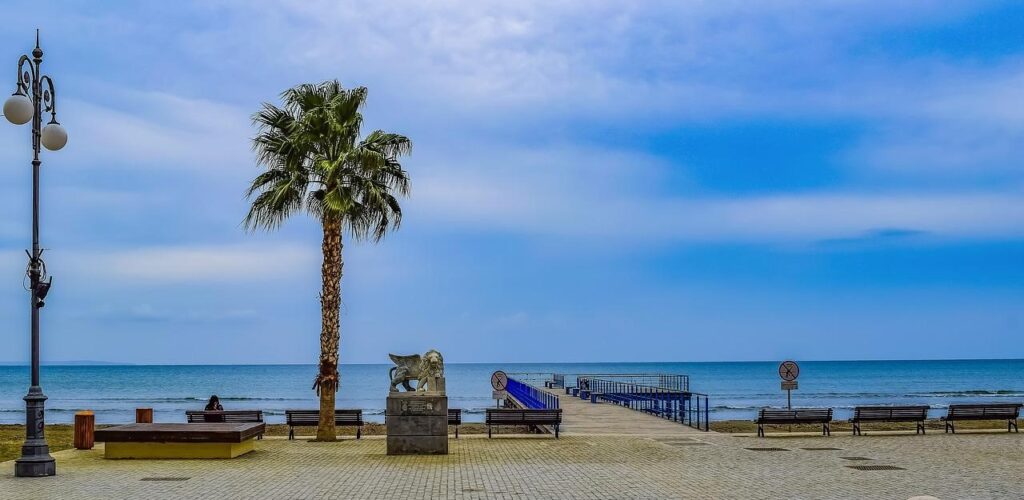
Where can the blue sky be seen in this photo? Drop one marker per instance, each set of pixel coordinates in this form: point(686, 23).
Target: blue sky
point(592, 181)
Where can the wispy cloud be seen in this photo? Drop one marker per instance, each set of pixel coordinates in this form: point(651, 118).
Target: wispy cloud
point(148, 130)
point(233, 263)
point(602, 193)
point(147, 313)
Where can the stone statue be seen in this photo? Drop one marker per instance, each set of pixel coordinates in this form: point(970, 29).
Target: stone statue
point(427, 370)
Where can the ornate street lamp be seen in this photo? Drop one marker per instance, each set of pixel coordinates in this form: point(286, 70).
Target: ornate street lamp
point(34, 96)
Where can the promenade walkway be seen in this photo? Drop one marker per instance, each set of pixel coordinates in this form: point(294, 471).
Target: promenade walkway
point(704, 465)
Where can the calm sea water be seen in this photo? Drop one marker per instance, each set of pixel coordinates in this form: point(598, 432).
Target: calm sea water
point(736, 389)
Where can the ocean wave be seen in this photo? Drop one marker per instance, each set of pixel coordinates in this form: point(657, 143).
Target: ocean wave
point(246, 398)
point(732, 408)
point(883, 395)
point(185, 399)
point(970, 393)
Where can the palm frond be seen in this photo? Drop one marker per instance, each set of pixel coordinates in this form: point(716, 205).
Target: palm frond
point(313, 159)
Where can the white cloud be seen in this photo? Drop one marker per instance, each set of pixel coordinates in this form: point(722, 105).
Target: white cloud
point(147, 313)
point(550, 202)
point(199, 264)
point(146, 130)
point(487, 68)
point(825, 216)
point(149, 130)
point(461, 74)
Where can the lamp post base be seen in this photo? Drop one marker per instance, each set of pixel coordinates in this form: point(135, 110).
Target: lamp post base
point(35, 458)
point(36, 467)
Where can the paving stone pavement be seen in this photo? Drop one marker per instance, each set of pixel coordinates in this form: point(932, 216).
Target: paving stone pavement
point(707, 465)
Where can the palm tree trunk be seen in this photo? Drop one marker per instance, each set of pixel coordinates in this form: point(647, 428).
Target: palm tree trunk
point(330, 335)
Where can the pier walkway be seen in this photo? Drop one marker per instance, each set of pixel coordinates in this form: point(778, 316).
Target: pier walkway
point(583, 418)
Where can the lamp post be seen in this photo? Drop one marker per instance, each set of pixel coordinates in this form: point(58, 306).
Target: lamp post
point(33, 96)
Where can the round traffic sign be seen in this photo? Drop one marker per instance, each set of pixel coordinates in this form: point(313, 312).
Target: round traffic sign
point(789, 370)
point(499, 380)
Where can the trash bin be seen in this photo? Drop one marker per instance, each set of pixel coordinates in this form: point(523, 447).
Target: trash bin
point(144, 415)
point(85, 430)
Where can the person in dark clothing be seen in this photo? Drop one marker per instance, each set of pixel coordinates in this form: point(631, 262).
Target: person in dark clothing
point(214, 404)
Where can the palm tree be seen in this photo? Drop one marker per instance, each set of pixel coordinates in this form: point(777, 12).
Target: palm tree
point(313, 160)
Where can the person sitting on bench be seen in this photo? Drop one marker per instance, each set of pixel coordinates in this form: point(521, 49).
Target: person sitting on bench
point(214, 404)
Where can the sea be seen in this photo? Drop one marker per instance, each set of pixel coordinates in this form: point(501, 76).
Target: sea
point(735, 389)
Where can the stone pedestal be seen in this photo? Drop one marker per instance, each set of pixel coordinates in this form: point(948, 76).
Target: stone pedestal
point(417, 423)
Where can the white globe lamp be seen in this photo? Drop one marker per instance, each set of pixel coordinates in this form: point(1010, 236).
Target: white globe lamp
point(54, 136)
point(18, 109)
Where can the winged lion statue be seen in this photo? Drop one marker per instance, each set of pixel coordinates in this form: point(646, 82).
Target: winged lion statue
point(425, 370)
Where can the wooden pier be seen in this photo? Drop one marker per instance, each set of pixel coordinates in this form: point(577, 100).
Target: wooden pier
point(583, 418)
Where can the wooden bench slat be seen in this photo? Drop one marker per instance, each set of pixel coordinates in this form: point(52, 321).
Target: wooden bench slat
point(908, 413)
point(196, 416)
point(778, 416)
point(344, 417)
point(455, 418)
point(983, 411)
point(496, 416)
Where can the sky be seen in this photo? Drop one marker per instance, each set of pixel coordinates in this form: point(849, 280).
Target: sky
point(591, 181)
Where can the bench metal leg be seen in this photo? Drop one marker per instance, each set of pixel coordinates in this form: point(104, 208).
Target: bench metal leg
point(488, 431)
point(856, 429)
point(359, 432)
point(456, 432)
point(920, 428)
point(760, 430)
point(556, 431)
point(1012, 424)
point(826, 430)
point(950, 427)
point(291, 433)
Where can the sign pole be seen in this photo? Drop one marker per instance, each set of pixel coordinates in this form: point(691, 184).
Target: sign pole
point(499, 382)
point(788, 372)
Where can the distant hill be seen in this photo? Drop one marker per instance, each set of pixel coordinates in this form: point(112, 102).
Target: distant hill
point(64, 363)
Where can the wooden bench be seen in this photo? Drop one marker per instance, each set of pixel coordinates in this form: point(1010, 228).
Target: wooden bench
point(206, 440)
point(311, 418)
point(531, 417)
point(917, 414)
point(773, 416)
point(455, 418)
point(993, 411)
point(230, 416)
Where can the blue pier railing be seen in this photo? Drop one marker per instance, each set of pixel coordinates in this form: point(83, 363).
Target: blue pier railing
point(683, 406)
point(660, 380)
point(531, 397)
point(537, 379)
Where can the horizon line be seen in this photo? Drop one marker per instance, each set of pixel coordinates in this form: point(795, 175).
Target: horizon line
point(69, 363)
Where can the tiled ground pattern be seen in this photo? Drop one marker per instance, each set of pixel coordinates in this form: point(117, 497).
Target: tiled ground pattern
point(606, 466)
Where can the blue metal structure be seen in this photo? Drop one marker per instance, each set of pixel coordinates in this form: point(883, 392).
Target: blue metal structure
point(660, 380)
point(683, 406)
point(531, 397)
